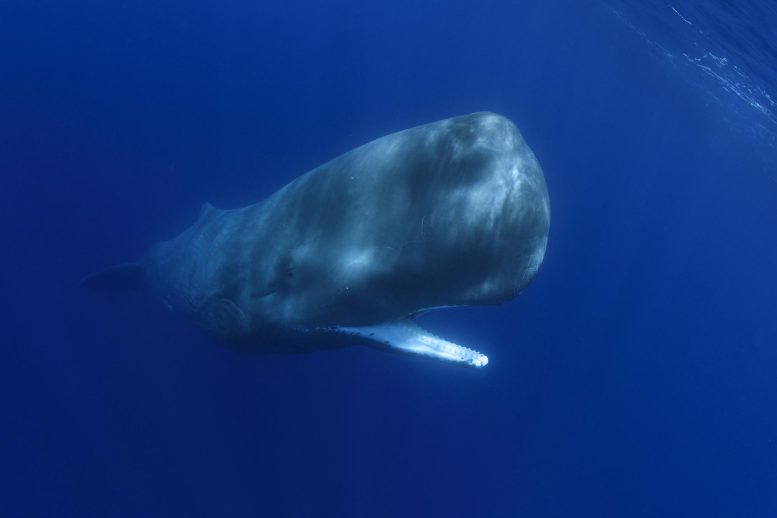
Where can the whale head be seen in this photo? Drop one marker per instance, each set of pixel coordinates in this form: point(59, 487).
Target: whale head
point(450, 213)
point(460, 218)
point(489, 213)
point(447, 214)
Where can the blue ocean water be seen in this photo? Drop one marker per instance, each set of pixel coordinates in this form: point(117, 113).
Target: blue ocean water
point(634, 377)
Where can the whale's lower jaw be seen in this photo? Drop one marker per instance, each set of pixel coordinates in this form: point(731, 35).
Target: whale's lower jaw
point(405, 336)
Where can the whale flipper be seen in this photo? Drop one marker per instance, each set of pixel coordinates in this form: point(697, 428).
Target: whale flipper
point(406, 336)
point(119, 277)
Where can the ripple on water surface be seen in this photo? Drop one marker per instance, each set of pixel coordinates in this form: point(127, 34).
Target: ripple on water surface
point(730, 46)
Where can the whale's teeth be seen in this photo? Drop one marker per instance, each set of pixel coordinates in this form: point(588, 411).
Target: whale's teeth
point(408, 337)
point(481, 361)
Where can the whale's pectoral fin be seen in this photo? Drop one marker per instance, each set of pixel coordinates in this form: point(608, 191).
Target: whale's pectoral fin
point(119, 277)
point(407, 337)
point(224, 318)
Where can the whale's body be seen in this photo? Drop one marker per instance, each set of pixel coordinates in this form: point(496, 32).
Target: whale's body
point(450, 213)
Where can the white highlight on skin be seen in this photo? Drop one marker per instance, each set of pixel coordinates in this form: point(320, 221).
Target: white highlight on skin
point(359, 258)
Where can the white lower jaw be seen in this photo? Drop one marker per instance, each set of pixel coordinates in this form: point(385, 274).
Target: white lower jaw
point(407, 337)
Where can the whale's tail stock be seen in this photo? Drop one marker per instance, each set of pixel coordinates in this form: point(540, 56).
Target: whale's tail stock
point(120, 277)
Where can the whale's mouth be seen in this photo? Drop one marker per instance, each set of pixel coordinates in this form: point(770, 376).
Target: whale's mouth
point(407, 337)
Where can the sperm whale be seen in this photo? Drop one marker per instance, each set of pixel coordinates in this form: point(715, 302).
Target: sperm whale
point(451, 213)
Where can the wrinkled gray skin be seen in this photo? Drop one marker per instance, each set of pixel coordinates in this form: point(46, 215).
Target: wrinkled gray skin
point(451, 213)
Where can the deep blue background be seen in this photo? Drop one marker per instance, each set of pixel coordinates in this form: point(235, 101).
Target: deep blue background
point(636, 377)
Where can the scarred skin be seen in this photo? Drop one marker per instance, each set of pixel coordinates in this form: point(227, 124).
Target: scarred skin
point(451, 213)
